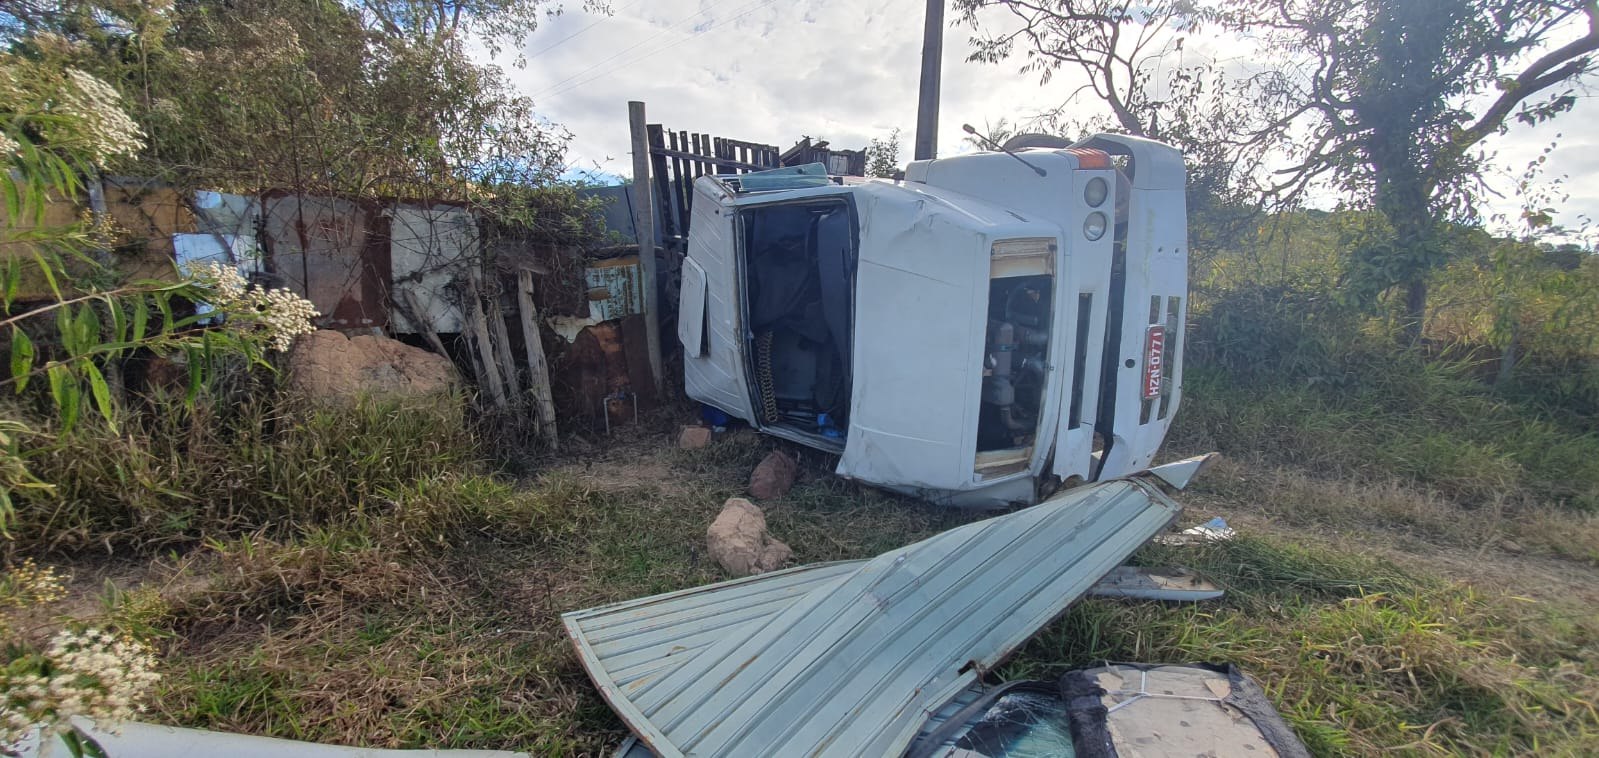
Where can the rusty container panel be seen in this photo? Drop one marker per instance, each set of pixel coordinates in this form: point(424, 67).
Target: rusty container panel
point(335, 253)
point(152, 213)
point(615, 288)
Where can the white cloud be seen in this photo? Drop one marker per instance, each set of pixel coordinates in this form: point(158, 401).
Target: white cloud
point(769, 71)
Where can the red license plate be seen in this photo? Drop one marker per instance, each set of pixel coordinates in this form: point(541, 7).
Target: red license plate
point(1154, 361)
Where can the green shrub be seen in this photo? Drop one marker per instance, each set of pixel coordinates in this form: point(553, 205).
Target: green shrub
point(1397, 415)
point(1271, 333)
point(174, 473)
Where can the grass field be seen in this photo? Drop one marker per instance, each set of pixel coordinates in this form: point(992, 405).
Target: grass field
point(1379, 614)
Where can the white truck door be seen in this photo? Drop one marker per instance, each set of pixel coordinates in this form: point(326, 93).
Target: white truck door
point(709, 322)
point(920, 318)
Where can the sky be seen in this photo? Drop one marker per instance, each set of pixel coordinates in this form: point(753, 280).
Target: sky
point(774, 70)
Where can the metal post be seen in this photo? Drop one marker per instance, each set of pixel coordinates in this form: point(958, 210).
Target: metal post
point(927, 101)
point(644, 230)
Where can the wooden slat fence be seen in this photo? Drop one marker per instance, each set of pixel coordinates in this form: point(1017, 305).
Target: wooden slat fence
point(678, 158)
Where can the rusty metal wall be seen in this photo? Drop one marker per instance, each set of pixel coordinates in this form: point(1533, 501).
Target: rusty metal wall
point(334, 252)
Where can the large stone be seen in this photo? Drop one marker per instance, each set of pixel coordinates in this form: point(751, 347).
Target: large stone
point(325, 364)
point(694, 437)
point(773, 476)
point(738, 540)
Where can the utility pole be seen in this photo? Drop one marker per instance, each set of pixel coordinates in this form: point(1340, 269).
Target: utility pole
point(927, 101)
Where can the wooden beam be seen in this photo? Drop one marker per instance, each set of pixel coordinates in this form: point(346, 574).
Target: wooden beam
point(502, 347)
point(538, 368)
point(644, 228)
point(419, 319)
point(488, 367)
point(721, 162)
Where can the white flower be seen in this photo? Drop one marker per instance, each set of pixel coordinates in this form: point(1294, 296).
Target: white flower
point(93, 674)
point(106, 129)
point(276, 316)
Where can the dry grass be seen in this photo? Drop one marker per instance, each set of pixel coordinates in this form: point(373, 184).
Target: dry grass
point(1398, 511)
point(361, 633)
point(433, 620)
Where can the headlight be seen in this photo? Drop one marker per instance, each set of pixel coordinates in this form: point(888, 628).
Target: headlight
point(1094, 225)
point(1096, 191)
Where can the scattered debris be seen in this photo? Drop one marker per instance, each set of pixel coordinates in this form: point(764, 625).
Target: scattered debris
point(846, 659)
point(1128, 709)
point(1214, 530)
point(694, 437)
point(325, 364)
point(1141, 583)
point(774, 476)
point(738, 540)
point(1155, 711)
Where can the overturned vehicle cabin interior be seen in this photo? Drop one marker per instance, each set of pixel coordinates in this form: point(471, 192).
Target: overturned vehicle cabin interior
point(994, 326)
point(799, 260)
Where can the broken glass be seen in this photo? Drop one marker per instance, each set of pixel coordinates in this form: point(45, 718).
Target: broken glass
point(1018, 725)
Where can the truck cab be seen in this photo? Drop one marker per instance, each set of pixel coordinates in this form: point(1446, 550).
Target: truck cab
point(989, 328)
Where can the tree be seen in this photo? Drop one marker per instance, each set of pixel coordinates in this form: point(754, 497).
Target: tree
point(1111, 43)
point(1385, 101)
point(882, 156)
point(1137, 79)
point(493, 22)
point(993, 133)
point(357, 97)
point(1390, 100)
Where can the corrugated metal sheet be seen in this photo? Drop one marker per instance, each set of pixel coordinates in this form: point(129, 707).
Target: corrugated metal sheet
point(851, 659)
point(632, 747)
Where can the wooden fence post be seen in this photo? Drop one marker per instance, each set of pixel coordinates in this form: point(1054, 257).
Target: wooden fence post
point(644, 230)
point(538, 369)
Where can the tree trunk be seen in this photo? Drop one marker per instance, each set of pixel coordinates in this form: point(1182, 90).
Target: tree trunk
point(1402, 201)
point(1415, 310)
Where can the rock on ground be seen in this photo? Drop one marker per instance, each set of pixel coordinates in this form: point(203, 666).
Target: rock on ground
point(325, 364)
point(694, 437)
point(773, 476)
point(738, 540)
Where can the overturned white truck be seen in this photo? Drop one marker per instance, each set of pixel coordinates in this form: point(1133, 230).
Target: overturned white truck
point(990, 327)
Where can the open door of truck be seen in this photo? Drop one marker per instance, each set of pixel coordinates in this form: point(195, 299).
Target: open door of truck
point(709, 322)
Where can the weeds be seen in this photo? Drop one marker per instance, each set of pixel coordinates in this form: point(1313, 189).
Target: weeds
point(1405, 419)
point(172, 477)
point(431, 618)
point(1386, 505)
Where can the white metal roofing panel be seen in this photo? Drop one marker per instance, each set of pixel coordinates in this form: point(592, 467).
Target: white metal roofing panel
point(851, 659)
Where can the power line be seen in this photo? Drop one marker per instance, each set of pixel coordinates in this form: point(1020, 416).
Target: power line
point(626, 50)
point(562, 87)
point(596, 22)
